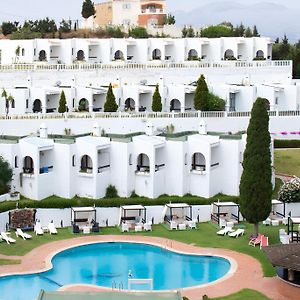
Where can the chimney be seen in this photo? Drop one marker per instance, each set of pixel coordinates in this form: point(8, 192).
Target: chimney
point(96, 130)
point(43, 131)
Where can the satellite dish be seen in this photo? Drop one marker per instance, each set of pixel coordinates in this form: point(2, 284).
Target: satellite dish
point(58, 83)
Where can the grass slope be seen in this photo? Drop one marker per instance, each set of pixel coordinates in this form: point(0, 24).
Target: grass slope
point(245, 294)
point(287, 161)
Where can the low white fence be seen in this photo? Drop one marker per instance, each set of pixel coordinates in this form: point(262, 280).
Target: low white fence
point(85, 66)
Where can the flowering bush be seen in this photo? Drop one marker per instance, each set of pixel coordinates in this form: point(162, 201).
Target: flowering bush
point(290, 191)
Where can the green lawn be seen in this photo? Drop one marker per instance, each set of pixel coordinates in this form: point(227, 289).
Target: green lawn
point(245, 294)
point(9, 261)
point(204, 236)
point(287, 161)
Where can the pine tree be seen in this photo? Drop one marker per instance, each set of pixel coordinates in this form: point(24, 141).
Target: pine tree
point(256, 185)
point(110, 104)
point(88, 9)
point(248, 32)
point(255, 31)
point(62, 103)
point(156, 100)
point(201, 95)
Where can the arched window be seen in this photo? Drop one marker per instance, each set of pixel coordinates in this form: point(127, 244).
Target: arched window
point(16, 161)
point(80, 55)
point(42, 55)
point(198, 162)
point(193, 55)
point(73, 161)
point(229, 55)
point(156, 54)
point(143, 163)
point(37, 106)
point(83, 105)
point(86, 165)
point(28, 167)
point(175, 105)
point(129, 104)
point(119, 55)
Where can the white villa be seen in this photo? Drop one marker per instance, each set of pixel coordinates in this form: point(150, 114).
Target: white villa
point(149, 164)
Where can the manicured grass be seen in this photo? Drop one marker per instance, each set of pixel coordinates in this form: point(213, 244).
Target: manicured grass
point(245, 294)
point(9, 261)
point(204, 236)
point(287, 161)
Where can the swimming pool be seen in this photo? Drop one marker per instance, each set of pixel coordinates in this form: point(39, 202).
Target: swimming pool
point(109, 264)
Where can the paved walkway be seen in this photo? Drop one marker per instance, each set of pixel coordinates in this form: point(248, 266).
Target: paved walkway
point(246, 273)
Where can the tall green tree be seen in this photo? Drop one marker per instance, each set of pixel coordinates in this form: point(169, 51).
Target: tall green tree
point(8, 100)
point(6, 174)
point(255, 31)
point(62, 103)
point(201, 95)
point(110, 104)
point(156, 100)
point(256, 185)
point(88, 9)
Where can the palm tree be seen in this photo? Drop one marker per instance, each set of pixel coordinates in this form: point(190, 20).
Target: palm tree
point(8, 99)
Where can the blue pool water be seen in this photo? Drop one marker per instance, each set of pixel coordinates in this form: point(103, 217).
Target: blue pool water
point(108, 264)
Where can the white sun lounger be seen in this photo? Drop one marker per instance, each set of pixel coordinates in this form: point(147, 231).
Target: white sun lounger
point(237, 233)
point(7, 238)
point(52, 229)
point(23, 235)
point(173, 225)
point(125, 227)
point(38, 229)
point(148, 226)
point(225, 231)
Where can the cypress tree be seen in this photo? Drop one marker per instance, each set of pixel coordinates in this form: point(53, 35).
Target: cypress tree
point(88, 9)
point(156, 100)
point(62, 103)
point(256, 185)
point(201, 95)
point(6, 174)
point(110, 104)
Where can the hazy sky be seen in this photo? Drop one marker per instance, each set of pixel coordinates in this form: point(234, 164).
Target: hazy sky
point(272, 17)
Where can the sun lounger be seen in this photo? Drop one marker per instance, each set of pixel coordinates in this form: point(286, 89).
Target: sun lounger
point(38, 229)
point(255, 241)
point(148, 226)
point(237, 233)
point(23, 235)
point(225, 231)
point(173, 225)
point(125, 227)
point(7, 238)
point(264, 241)
point(52, 229)
point(192, 224)
point(182, 226)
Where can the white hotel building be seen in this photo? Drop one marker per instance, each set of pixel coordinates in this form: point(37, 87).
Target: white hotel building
point(134, 149)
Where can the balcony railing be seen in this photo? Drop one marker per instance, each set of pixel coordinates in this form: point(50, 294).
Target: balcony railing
point(157, 64)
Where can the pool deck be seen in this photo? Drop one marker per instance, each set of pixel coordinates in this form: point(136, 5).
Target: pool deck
point(246, 271)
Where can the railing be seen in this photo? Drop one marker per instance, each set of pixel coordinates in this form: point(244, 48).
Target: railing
point(146, 115)
point(148, 65)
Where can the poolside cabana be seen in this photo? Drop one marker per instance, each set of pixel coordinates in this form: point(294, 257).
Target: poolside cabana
point(132, 214)
point(83, 216)
point(294, 229)
point(228, 211)
point(287, 260)
point(177, 212)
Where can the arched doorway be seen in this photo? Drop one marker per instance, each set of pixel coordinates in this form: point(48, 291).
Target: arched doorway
point(42, 55)
point(80, 55)
point(156, 54)
point(119, 55)
point(193, 55)
point(83, 105)
point(260, 54)
point(143, 163)
point(86, 164)
point(175, 105)
point(229, 55)
point(28, 167)
point(129, 104)
point(37, 106)
point(198, 162)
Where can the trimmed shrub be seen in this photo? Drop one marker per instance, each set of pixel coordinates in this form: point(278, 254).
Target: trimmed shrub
point(110, 104)
point(215, 103)
point(134, 195)
point(6, 174)
point(286, 144)
point(62, 103)
point(290, 191)
point(156, 100)
point(201, 95)
point(111, 192)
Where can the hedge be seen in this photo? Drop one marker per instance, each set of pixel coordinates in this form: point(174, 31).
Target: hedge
point(57, 202)
point(286, 144)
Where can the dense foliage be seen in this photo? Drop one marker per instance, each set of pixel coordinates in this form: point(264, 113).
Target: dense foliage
point(138, 33)
point(290, 191)
point(88, 9)
point(6, 174)
point(188, 32)
point(110, 104)
point(286, 143)
point(201, 95)
point(9, 27)
point(169, 19)
point(111, 192)
point(215, 103)
point(156, 100)
point(255, 184)
point(62, 103)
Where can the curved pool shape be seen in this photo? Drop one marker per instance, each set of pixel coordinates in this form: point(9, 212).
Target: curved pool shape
point(109, 264)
